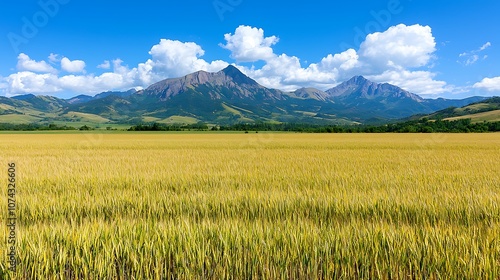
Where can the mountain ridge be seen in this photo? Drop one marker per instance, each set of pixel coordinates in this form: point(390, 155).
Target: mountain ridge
point(362, 87)
point(229, 77)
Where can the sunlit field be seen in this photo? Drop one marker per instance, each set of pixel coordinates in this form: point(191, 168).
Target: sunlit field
point(253, 206)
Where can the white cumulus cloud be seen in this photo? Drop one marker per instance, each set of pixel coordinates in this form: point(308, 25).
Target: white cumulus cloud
point(286, 73)
point(248, 44)
point(75, 66)
point(25, 63)
point(346, 61)
point(30, 82)
point(175, 58)
point(401, 45)
point(489, 84)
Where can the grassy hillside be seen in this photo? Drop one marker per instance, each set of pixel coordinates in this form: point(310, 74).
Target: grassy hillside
point(18, 118)
point(489, 116)
point(179, 120)
point(85, 117)
point(486, 110)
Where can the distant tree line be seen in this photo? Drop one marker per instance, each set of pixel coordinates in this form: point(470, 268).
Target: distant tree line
point(40, 127)
point(416, 126)
point(168, 127)
point(428, 126)
point(34, 127)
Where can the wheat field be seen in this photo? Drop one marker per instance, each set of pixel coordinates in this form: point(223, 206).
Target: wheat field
point(253, 206)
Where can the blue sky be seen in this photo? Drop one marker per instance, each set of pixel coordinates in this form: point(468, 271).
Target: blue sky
point(69, 47)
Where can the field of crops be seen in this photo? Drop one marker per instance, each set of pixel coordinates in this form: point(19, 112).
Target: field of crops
point(253, 206)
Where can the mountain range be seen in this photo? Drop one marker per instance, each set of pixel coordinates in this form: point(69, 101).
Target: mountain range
point(228, 97)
